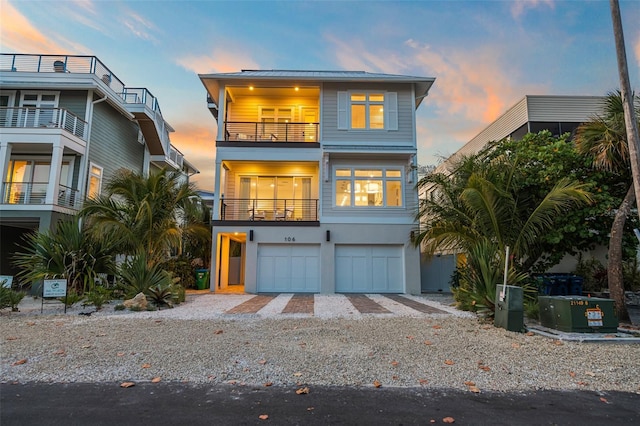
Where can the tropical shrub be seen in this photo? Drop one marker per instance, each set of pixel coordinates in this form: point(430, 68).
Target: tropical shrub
point(10, 298)
point(138, 276)
point(70, 252)
point(593, 272)
point(160, 296)
point(98, 296)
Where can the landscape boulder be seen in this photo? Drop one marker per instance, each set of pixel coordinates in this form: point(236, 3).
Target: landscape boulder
point(138, 302)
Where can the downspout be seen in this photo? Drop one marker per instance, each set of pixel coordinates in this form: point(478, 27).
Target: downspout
point(85, 163)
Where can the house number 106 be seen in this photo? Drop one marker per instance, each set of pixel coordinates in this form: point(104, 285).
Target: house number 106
point(289, 239)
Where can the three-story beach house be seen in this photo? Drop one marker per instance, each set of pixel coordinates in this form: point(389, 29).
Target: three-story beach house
point(315, 181)
point(67, 123)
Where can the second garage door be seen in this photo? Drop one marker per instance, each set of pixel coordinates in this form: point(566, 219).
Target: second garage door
point(285, 268)
point(369, 269)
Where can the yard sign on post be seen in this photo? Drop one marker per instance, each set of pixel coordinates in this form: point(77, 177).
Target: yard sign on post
point(54, 288)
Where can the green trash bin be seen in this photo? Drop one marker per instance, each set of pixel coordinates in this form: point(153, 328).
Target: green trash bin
point(202, 279)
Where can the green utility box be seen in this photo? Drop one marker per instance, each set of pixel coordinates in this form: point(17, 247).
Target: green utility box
point(509, 308)
point(578, 314)
point(202, 279)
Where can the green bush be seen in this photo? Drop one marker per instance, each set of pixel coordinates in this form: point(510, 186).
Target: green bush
point(181, 268)
point(71, 298)
point(594, 274)
point(98, 296)
point(10, 298)
point(631, 274)
point(138, 276)
point(160, 296)
point(531, 308)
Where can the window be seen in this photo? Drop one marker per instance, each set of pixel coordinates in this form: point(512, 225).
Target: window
point(95, 181)
point(274, 122)
point(368, 187)
point(39, 108)
point(367, 110)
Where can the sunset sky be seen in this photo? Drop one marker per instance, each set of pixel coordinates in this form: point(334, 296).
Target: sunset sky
point(485, 55)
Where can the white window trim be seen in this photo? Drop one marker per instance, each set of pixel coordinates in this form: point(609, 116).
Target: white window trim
point(39, 101)
point(90, 175)
point(353, 178)
point(390, 106)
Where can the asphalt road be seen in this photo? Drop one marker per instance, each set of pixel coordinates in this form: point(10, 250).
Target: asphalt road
point(187, 404)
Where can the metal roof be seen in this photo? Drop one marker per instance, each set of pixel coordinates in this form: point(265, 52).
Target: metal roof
point(212, 81)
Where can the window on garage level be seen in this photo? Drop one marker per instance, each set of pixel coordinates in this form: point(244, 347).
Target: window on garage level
point(368, 187)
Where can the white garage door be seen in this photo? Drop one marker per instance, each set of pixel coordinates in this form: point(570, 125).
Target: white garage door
point(287, 268)
point(369, 269)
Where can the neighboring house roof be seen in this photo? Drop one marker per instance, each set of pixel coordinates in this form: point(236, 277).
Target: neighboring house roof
point(422, 84)
point(531, 108)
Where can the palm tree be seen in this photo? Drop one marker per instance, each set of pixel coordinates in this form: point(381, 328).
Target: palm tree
point(150, 214)
point(605, 139)
point(482, 200)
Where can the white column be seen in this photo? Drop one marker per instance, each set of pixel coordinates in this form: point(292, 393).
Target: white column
point(217, 195)
point(5, 157)
point(54, 174)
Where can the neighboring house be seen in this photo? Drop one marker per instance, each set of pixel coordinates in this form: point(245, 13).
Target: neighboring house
point(315, 181)
point(532, 114)
point(67, 123)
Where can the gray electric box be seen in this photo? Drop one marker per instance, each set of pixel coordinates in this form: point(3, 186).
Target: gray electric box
point(509, 308)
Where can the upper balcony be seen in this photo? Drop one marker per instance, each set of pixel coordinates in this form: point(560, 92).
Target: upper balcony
point(248, 131)
point(73, 71)
point(49, 118)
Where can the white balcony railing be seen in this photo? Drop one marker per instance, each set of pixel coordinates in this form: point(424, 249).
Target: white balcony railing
point(35, 193)
point(30, 117)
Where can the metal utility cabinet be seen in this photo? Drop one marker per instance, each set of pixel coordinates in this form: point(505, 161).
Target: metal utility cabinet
point(509, 308)
point(578, 314)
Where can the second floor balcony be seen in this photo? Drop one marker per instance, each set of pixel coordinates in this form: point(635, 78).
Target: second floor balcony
point(35, 194)
point(269, 210)
point(51, 118)
point(248, 131)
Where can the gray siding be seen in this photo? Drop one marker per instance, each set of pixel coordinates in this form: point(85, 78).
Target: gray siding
point(329, 115)
point(577, 109)
point(75, 101)
point(114, 142)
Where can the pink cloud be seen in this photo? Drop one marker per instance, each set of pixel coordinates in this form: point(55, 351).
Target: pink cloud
point(19, 35)
point(519, 7)
point(218, 61)
point(197, 144)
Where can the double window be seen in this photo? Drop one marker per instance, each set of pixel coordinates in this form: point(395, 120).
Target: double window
point(370, 187)
point(367, 110)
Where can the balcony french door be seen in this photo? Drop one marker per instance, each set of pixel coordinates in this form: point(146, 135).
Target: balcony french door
point(27, 180)
point(274, 196)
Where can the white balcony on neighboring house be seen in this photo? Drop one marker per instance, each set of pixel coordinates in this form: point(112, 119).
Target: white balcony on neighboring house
point(146, 110)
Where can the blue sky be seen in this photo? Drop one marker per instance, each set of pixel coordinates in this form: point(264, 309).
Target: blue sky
point(485, 55)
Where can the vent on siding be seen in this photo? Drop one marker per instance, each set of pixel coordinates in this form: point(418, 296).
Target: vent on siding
point(141, 137)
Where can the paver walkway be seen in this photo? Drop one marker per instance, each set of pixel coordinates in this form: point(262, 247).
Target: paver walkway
point(305, 304)
point(299, 304)
point(365, 305)
point(252, 305)
point(420, 307)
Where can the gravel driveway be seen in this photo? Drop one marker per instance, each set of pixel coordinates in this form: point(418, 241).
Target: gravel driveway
point(198, 342)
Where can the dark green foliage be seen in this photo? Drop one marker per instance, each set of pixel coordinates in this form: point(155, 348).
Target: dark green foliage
point(98, 296)
point(594, 274)
point(70, 252)
point(72, 297)
point(10, 298)
point(161, 296)
point(631, 274)
point(152, 215)
point(138, 276)
point(181, 268)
